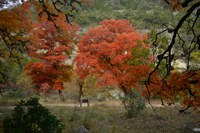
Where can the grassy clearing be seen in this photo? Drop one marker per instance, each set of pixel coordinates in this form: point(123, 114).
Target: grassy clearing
point(7, 101)
point(105, 118)
point(111, 119)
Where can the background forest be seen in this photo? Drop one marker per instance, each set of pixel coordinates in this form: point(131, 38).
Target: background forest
point(142, 14)
point(130, 59)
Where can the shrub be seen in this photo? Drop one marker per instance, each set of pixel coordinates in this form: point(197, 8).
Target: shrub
point(31, 117)
point(133, 103)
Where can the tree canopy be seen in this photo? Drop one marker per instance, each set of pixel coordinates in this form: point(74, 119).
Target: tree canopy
point(115, 53)
point(51, 47)
point(40, 30)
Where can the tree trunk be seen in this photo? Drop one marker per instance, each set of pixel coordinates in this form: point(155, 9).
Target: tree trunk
point(124, 90)
point(80, 84)
point(61, 95)
point(80, 89)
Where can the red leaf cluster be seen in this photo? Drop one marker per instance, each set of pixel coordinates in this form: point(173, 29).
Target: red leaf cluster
point(106, 51)
point(51, 46)
point(179, 86)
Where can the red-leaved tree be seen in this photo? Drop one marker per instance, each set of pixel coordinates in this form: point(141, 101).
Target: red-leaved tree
point(180, 86)
point(115, 53)
point(51, 46)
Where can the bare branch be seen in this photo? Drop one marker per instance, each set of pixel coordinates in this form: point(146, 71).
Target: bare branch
point(168, 50)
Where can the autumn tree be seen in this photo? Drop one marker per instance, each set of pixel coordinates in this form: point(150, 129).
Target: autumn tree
point(16, 17)
point(14, 27)
point(115, 53)
point(39, 29)
point(51, 47)
point(51, 9)
point(183, 43)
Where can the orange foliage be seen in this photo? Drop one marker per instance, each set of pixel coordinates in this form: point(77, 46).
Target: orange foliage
point(16, 19)
point(15, 26)
point(175, 5)
point(51, 46)
point(40, 28)
point(184, 87)
point(105, 51)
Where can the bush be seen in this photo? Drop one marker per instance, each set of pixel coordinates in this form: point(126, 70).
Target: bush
point(133, 103)
point(31, 117)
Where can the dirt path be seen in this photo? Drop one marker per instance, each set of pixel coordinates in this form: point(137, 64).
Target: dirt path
point(154, 103)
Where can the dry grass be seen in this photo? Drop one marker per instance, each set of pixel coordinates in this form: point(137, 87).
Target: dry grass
point(109, 117)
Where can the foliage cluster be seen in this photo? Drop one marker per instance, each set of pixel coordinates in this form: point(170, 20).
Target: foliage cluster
point(51, 47)
point(38, 29)
point(111, 52)
point(133, 103)
point(13, 81)
point(143, 14)
point(30, 116)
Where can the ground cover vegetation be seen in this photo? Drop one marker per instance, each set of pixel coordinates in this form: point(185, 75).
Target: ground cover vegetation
point(55, 46)
point(106, 117)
